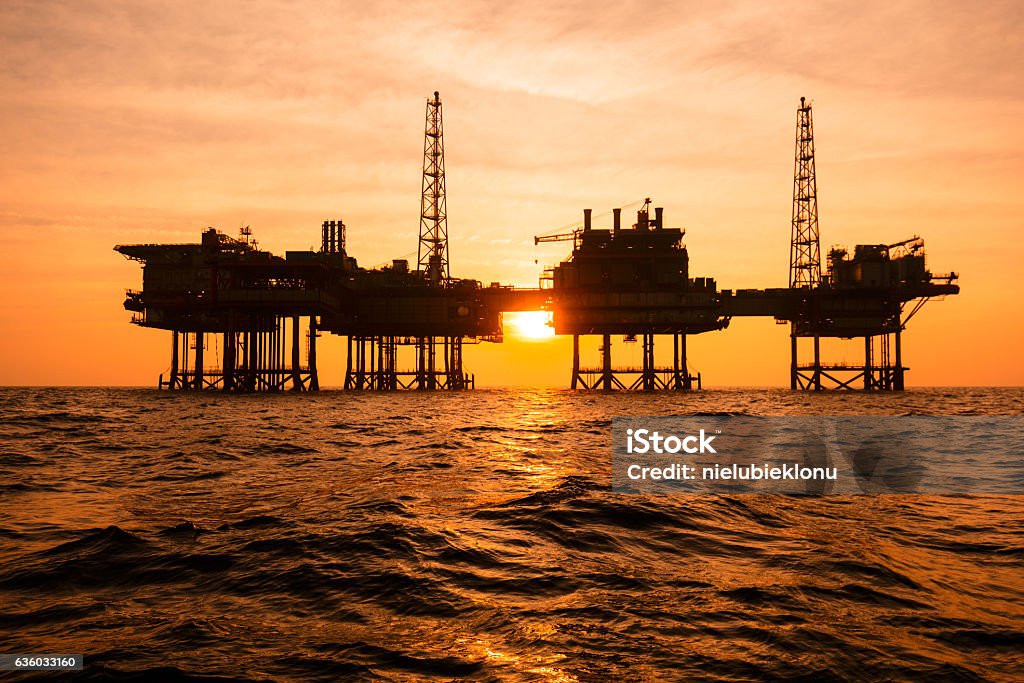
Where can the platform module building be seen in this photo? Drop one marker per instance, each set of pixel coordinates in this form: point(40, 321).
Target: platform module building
point(635, 282)
point(400, 312)
point(871, 294)
point(241, 318)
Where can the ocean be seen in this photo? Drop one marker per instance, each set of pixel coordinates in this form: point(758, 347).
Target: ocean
point(474, 536)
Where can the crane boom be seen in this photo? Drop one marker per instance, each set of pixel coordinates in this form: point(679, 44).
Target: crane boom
point(561, 237)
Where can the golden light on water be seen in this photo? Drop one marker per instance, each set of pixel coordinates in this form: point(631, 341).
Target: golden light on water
point(529, 325)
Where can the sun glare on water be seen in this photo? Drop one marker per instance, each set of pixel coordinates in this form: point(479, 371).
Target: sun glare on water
point(529, 325)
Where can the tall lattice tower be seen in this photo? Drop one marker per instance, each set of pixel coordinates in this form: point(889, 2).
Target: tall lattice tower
point(804, 250)
point(433, 247)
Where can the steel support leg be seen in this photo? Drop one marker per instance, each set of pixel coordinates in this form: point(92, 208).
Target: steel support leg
point(817, 364)
point(899, 362)
point(606, 362)
point(173, 384)
point(575, 360)
point(684, 366)
point(297, 383)
point(793, 365)
point(648, 363)
point(314, 381)
point(868, 369)
point(200, 360)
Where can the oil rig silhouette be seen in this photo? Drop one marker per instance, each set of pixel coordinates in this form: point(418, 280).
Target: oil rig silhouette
point(257, 316)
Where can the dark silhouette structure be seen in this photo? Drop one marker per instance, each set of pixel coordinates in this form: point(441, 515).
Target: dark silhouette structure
point(242, 319)
point(860, 296)
point(423, 311)
point(633, 282)
point(223, 297)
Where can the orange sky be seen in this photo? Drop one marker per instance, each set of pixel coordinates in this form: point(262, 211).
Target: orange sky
point(123, 123)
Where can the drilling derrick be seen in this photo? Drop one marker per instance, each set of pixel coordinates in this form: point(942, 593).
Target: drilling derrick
point(805, 247)
point(805, 250)
point(433, 247)
point(433, 257)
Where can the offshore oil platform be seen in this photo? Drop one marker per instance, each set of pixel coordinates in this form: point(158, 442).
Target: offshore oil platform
point(635, 283)
point(257, 316)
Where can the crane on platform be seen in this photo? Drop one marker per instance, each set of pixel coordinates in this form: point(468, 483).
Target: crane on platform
point(560, 237)
point(577, 227)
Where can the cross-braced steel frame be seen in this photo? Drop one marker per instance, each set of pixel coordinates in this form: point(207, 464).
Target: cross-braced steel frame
point(647, 377)
point(883, 368)
point(373, 364)
point(257, 356)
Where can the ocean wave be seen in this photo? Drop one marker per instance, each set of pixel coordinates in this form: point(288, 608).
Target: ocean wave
point(287, 538)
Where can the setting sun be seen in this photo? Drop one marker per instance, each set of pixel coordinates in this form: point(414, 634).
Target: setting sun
point(530, 325)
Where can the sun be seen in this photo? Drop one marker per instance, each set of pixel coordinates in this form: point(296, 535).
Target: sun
point(529, 325)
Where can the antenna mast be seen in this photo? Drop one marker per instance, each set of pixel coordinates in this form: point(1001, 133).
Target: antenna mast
point(805, 249)
point(433, 246)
